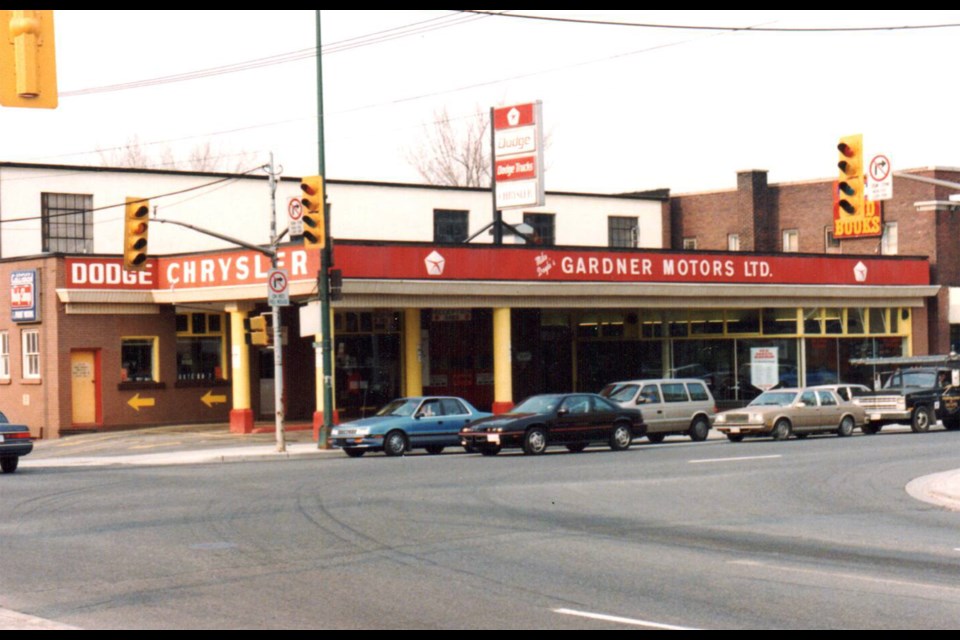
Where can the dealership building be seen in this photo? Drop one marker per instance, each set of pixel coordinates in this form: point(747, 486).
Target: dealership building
point(717, 286)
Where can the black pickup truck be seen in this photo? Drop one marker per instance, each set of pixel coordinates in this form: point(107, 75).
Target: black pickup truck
point(919, 391)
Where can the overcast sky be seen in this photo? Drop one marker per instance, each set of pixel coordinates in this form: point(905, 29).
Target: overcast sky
point(627, 107)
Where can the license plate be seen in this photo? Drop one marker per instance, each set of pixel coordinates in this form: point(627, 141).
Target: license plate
point(735, 430)
point(875, 416)
point(493, 438)
point(1, 437)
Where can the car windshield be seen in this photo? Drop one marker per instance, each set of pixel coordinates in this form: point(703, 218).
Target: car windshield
point(403, 407)
point(537, 404)
point(774, 398)
point(620, 393)
point(921, 379)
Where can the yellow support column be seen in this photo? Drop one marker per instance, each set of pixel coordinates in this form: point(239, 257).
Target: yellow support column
point(502, 362)
point(412, 354)
point(241, 414)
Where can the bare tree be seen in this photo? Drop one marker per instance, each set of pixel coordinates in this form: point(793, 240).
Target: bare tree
point(454, 152)
point(202, 157)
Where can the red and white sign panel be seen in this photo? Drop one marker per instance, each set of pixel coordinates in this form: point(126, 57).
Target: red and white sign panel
point(518, 115)
point(516, 168)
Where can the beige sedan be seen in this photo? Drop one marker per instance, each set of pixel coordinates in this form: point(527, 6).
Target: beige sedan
point(782, 412)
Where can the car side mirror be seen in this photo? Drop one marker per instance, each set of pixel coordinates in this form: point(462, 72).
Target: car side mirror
point(562, 412)
point(642, 400)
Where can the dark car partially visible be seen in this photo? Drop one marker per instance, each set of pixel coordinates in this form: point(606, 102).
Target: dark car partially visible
point(15, 441)
point(574, 420)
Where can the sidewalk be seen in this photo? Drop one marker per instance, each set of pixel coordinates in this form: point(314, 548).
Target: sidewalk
point(181, 444)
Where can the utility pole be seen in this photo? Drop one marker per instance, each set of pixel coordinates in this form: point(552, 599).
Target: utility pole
point(275, 310)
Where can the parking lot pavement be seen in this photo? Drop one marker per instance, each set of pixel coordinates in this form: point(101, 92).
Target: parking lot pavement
point(212, 443)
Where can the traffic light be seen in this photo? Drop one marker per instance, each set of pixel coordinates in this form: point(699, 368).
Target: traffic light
point(258, 330)
point(28, 60)
point(135, 228)
point(851, 183)
point(314, 225)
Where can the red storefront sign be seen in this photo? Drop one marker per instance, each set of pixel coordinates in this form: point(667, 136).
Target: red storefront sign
point(515, 264)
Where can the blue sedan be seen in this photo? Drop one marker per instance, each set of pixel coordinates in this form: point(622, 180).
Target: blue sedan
point(423, 422)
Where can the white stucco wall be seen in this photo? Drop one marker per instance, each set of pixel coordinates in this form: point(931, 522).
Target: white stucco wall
point(241, 208)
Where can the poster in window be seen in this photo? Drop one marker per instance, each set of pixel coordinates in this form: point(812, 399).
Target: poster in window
point(25, 296)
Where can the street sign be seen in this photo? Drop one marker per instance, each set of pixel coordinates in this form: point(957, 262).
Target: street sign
point(295, 216)
point(278, 288)
point(879, 179)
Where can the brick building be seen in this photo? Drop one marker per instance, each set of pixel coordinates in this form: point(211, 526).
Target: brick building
point(798, 217)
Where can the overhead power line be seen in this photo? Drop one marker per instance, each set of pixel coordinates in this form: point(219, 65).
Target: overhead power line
point(651, 25)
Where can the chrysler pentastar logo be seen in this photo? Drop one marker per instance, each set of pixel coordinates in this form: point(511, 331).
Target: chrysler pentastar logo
point(860, 272)
point(435, 264)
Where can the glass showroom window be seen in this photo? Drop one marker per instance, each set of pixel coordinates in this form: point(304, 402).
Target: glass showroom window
point(200, 346)
point(139, 359)
point(30, 342)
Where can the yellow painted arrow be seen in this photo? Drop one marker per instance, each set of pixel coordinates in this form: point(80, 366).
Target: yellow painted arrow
point(136, 402)
point(209, 399)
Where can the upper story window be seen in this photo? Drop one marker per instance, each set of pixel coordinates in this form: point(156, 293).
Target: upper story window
point(450, 226)
point(888, 241)
point(623, 231)
point(830, 243)
point(30, 345)
point(791, 240)
point(690, 244)
point(67, 222)
point(544, 228)
point(733, 242)
point(4, 355)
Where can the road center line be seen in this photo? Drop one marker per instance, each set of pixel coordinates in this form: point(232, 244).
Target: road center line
point(617, 619)
point(740, 459)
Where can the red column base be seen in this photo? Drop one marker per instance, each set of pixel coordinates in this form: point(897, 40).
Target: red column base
point(502, 407)
point(318, 424)
point(241, 421)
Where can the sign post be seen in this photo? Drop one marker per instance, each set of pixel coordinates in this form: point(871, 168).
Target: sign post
point(517, 155)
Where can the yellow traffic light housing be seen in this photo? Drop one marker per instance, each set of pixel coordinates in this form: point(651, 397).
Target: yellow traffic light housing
point(258, 331)
point(135, 228)
point(28, 59)
point(314, 223)
point(851, 182)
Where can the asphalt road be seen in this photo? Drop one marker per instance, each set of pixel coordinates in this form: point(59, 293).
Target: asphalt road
point(800, 534)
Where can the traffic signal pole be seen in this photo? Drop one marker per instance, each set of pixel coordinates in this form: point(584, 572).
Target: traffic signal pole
point(326, 344)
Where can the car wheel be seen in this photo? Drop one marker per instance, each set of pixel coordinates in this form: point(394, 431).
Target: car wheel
point(489, 449)
point(621, 437)
point(922, 419)
point(846, 427)
point(700, 429)
point(354, 453)
point(656, 438)
point(782, 429)
point(395, 443)
point(576, 447)
point(734, 437)
point(434, 449)
point(9, 464)
point(535, 441)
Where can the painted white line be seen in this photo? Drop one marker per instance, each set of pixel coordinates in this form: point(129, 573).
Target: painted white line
point(838, 575)
point(740, 459)
point(617, 619)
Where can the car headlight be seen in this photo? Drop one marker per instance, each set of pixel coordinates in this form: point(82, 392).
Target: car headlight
point(721, 418)
point(756, 417)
